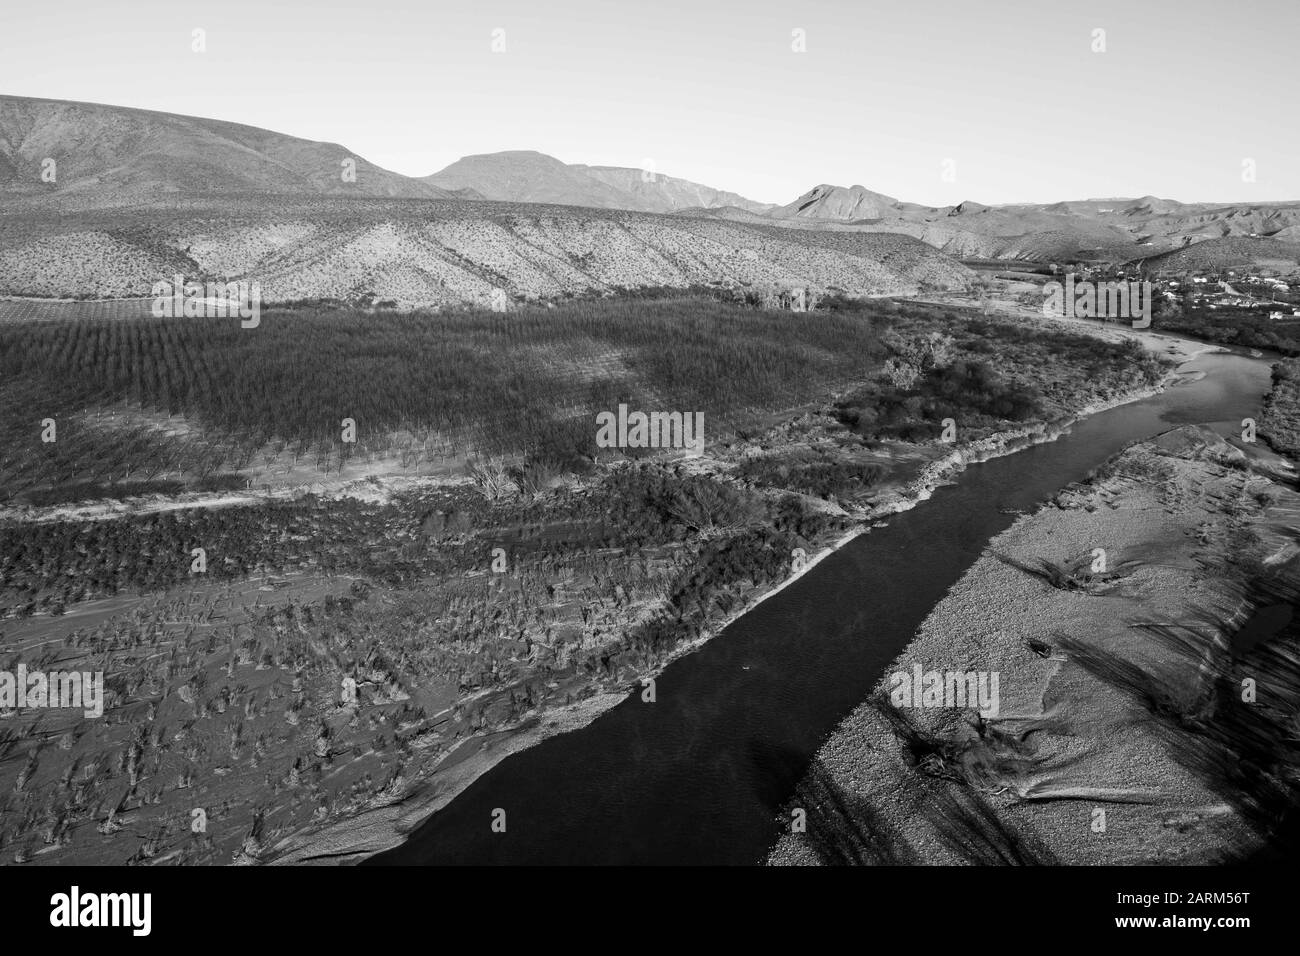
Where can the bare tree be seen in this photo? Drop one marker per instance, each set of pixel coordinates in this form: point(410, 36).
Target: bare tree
point(491, 478)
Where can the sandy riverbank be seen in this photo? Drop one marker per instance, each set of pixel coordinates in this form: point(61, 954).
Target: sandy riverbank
point(1075, 767)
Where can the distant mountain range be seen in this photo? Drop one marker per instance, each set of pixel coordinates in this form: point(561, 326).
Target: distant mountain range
point(108, 156)
point(103, 154)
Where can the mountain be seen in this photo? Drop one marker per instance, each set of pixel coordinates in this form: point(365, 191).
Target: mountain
point(533, 177)
point(116, 157)
point(660, 193)
point(839, 203)
point(967, 230)
point(521, 175)
point(1117, 229)
point(1151, 206)
point(107, 151)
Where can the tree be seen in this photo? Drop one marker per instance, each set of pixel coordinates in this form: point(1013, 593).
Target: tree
point(491, 478)
point(901, 374)
point(915, 356)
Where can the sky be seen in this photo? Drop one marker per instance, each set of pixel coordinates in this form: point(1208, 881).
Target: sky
point(932, 102)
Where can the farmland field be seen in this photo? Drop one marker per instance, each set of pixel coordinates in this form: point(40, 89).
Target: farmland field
point(27, 310)
point(139, 400)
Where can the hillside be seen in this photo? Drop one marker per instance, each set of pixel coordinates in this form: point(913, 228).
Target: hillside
point(1091, 229)
point(527, 176)
point(531, 177)
point(1151, 206)
point(839, 203)
point(668, 193)
point(969, 229)
point(426, 253)
point(115, 153)
point(1231, 253)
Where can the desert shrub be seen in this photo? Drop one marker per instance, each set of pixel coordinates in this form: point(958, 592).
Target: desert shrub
point(967, 391)
point(85, 491)
point(925, 352)
point(1280, 422)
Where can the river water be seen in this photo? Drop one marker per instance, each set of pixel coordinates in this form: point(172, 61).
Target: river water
point(698, 776)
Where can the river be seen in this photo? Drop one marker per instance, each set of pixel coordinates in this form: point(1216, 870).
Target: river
point(698, 776)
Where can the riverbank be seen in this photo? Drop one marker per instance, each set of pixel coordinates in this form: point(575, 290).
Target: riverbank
point(1105, 616)
point(939, 472)
point(1279, 425)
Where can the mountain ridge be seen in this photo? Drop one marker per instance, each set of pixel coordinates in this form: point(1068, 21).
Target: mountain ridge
point(119, 148)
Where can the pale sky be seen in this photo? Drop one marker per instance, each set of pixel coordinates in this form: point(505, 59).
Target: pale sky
point(1007, 98)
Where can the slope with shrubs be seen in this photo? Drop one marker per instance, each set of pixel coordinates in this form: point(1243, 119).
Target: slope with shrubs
point(436, 253)
point(1279, 424)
